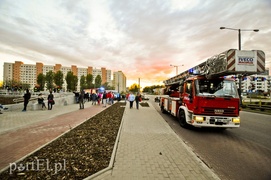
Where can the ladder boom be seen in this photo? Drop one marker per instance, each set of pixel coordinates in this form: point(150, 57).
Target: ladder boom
point(230, 62)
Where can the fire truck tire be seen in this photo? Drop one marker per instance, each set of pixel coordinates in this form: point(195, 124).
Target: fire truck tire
point(182, 119)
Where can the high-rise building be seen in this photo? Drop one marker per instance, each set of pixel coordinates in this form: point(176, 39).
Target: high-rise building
point(8, 71)
point(119, 81)
point(27, 73)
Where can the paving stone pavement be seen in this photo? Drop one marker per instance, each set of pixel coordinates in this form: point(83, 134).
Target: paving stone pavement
point(12, 120)
point(149, 149)
point(22, 133)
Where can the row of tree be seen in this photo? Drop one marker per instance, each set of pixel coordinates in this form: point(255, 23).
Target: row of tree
point(148, 89)
point(55, 80)
point(14, 85)
point(52, 80)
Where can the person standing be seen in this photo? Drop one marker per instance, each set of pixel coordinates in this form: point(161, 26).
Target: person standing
point(131, 99)
point(137, 99)
point(26, 97)
point(111, 98)
point(94, 98)
point(51, 101)
point(108, 96)
point(100, 96)
point(104, 99)
point(81, 99)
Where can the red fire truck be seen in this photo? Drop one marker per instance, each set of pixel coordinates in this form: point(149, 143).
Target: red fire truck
point(203, 96)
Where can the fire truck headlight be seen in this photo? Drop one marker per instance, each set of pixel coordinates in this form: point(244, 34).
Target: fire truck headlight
point(236, 120)
point(199, 118)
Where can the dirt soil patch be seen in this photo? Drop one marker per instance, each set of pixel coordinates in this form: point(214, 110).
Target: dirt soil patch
point(77, 154)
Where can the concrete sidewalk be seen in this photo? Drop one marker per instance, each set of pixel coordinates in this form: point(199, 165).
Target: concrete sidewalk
point(149, 149)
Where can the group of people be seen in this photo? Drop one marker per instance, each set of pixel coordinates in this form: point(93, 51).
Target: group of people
point(50, 99)
point(96, 98)
point(131, 98)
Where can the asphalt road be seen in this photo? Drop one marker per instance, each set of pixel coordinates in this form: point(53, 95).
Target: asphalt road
point(242, 153)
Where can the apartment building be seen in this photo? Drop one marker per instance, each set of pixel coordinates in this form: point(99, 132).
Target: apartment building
point(119, 81)
point(27, 73)
point(257, 82)
point(8, 71)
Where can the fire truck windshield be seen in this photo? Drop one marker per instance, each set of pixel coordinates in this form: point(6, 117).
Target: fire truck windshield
point(216, 87)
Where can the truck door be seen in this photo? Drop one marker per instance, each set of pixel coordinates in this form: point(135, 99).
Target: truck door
point(188, 95)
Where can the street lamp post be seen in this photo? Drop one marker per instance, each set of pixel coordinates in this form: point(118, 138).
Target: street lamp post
point(139, 85)
point(176, 68)
point(239, 33)
point(239, 47)
point(118, 84)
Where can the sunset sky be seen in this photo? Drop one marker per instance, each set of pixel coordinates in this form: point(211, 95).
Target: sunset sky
point(139, 37)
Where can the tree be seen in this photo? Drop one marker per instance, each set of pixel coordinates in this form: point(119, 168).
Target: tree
point(49, 78)
point(150, 89)
point(98, 81)
point(72, 81)
point(15, 85)
point(89, 80)
point(134, 88)
point(107, 86)
point(25, 86)
point(83, 83)
point(68, 79)
point(58, 79)
point(41, 81)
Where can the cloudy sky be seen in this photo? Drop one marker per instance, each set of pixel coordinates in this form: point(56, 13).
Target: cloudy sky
point(139, 37)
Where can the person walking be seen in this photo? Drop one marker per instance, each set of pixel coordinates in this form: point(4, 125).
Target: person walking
point(26, 97)
point(94, 98)
point(137, 99)
point(131, 99)
point(51, 101)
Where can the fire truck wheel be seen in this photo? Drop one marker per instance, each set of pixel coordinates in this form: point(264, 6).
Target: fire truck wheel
point(182, 119)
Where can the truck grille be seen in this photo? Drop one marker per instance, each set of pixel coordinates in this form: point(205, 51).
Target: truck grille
point(218, 112)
